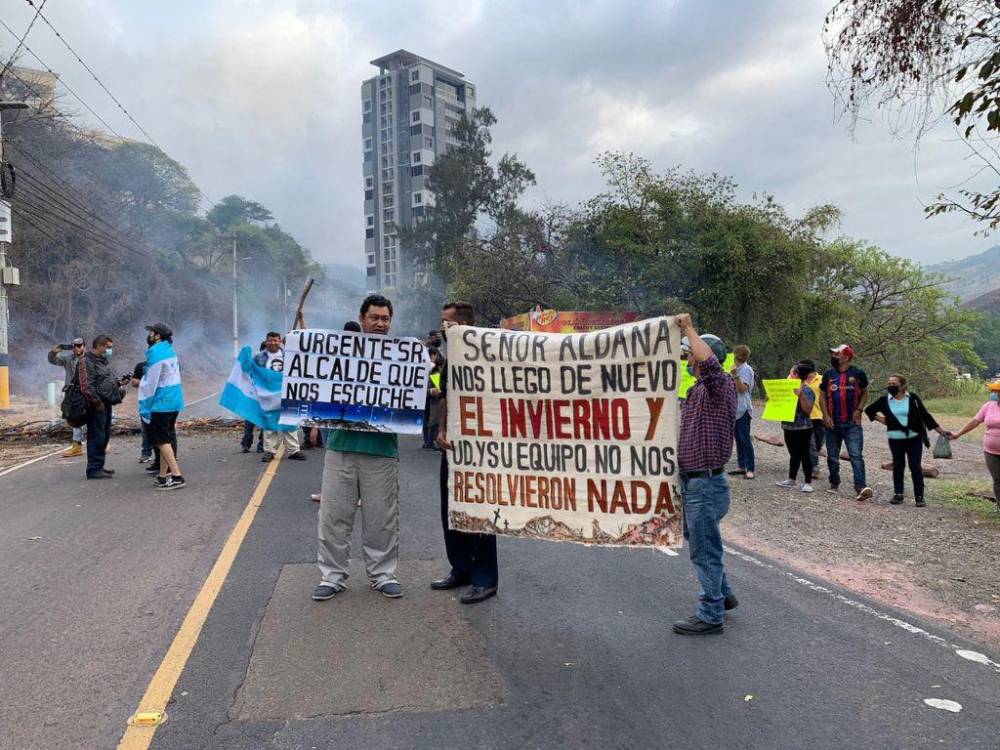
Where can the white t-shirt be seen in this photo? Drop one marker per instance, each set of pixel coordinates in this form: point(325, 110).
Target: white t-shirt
point(276, 361)
point(744, 401)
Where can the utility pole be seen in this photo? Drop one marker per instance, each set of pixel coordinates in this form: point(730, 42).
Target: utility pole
point(8, 274)
point(236, 308)
point(284, 300)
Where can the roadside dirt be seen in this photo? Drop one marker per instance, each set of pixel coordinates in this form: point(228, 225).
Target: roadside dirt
point(13, 452)
point(941, 563)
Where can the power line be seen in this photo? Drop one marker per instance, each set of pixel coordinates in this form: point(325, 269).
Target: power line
point(106, 89)
point(61, 83)
point(49, 199)
point(71, 199)
point(76, 209)
point(44, 213)
point(38, 227)
point(24, 36)
point(67, 194)
point(55, 112)
point(93, 74)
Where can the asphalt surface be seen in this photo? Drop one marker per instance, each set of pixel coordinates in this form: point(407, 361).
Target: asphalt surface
point(576, 651)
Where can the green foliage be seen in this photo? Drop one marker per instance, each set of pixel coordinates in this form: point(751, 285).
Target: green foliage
point(987, 341)
point(682, 241)
point(235, 210)
point(451, 255)
point(965, 495)
point(924, 62)
point(109, 237)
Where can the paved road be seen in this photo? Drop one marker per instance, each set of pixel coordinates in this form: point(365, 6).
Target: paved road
point(575, 652)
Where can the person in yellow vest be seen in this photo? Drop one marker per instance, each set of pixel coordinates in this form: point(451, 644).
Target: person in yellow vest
point(431, 416)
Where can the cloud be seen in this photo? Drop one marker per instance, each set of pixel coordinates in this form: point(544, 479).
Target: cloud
point(262, 98)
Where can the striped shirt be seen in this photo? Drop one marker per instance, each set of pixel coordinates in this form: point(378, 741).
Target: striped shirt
point(843, 391)
point(707, 420)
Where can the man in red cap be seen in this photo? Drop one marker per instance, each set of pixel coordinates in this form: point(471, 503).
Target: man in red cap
point(845, 392)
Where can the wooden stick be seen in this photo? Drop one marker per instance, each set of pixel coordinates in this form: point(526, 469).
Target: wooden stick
point(300, 321)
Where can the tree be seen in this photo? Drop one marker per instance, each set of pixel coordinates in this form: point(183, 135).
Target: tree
point(681, 241)
point(235, 209)
point(473, 220)
point(923, 62)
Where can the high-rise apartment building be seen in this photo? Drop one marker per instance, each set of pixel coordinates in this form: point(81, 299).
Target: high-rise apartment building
point(408, 113)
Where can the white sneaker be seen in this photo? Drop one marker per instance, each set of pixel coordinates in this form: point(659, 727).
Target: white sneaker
point(806, 487)
point(786, 483)
point(865, 494)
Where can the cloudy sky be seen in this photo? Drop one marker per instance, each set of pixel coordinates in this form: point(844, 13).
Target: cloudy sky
point(261, 98)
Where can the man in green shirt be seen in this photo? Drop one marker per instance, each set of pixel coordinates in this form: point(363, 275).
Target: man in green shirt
point(361, 466)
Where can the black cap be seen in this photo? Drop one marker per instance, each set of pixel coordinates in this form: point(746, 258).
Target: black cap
point(161, 328)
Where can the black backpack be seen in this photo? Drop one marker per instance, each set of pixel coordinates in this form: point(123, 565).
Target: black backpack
point(75, 408)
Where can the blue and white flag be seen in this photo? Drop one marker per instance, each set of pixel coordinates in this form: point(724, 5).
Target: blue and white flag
point(254, 393)
point(160, 388)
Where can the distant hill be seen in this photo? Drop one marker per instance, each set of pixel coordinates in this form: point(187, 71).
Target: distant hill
point(972, 277)
point(989, 302)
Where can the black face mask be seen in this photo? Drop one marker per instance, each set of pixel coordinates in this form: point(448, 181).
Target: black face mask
point(893, 390)
point(835, 363)
point(150, 340)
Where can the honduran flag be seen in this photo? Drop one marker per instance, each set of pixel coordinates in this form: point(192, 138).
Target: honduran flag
point(160, 388)
point(254, 393)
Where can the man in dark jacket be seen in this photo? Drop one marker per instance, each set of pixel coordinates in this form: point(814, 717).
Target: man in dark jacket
point(103, 390)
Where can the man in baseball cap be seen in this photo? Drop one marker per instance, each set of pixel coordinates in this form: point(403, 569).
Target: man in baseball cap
point(68, 357)
point(845, 392)
point(161, 328)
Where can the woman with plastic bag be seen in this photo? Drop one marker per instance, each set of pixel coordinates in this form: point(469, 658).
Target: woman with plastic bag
point(989, 415)
point(908, 421)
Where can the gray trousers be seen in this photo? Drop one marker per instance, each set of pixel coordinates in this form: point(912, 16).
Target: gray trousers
point(273, 439)
point(375, 480)
point(993, 464)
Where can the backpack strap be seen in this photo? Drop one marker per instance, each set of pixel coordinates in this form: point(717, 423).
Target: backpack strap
point(84, 382)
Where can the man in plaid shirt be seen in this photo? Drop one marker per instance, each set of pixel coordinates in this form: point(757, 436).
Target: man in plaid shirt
point(704, 447)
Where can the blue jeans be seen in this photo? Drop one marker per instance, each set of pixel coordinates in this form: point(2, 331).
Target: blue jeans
point(246, 442)
point(147, 449)
point(744, 443)
point(851, 435)
point(98, 435)
point(706, 502)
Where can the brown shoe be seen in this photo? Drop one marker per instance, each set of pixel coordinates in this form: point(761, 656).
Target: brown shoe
point(74, 450)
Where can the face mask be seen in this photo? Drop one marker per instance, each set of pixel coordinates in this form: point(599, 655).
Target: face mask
point(107, 353)
point(150, 340)
point(834, 362)
point(893, 390)
point(995, 396)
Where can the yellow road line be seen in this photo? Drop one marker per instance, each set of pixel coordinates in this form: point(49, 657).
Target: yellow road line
point(161, 687)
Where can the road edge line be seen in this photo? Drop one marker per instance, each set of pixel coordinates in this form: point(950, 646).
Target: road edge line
point(30, 461)
point(164, 680)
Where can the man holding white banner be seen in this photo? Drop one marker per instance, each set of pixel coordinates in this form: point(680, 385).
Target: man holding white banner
point(472, 556)
point(704, 446)
point(360, 465)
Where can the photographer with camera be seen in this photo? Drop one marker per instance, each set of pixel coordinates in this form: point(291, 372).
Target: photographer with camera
point(68, 356)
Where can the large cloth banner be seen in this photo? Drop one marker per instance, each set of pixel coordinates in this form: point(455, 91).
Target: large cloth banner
point(354, 381)
point(568, 437)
